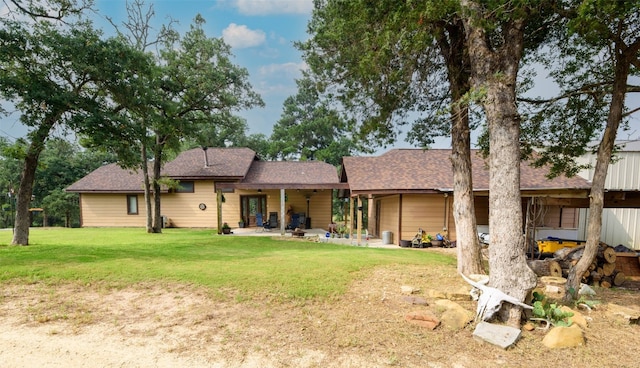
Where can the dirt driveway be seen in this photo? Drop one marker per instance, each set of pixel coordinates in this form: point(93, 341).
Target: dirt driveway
point(168, 325)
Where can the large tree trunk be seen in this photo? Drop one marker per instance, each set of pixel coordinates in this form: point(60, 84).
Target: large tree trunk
point(507, 258)
point(157, 166)
point(494, 71)
point(23, 218)
point(452, 43)
point(147, 186)
point(605, 150)
point(464, 213)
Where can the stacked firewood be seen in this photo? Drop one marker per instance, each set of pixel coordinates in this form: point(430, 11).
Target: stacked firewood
point(601, 272)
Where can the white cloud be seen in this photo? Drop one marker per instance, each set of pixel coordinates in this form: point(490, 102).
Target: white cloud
point(240, 37)
point(286, 70)
point(263, 7)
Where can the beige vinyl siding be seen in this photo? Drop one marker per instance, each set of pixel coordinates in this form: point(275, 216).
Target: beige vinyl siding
point(389, 215)
point(422, 211)
point(182, 209)
point(110, 210)
point(320, 209)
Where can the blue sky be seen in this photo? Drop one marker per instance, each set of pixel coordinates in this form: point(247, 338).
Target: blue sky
point(260, 32)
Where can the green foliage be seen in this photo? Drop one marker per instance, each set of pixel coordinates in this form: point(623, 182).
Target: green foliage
point(251, 265)
point(580, 59)
point(549, 311)
point(382, 63)
point(310, 129)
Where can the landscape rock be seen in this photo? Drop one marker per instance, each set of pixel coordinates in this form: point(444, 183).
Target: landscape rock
point(586, 290)
point(436, 294)
point(424, 319)
point(624, 314)
point(462, 294)
point(564, 337)
point(453, 316)
point(499, 335)
point(415, 300)
point(408, 290)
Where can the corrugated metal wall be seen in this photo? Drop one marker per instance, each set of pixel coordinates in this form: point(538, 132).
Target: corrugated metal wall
point(619, 226)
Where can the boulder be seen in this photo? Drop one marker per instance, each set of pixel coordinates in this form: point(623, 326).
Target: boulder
point(453, 316)
point(564, 337)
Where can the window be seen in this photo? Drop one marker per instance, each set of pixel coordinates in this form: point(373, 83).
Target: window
point(132, 204)
point(185, 187)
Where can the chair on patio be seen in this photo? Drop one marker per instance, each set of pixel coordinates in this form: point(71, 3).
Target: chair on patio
point(272, 223)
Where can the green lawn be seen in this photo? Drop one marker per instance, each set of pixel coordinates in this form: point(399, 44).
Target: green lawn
point(285, 269)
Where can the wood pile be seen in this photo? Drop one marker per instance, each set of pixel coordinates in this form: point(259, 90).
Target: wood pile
point(601, 272)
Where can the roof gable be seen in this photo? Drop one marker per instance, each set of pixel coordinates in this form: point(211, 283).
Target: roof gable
point(212, 163)
point(109, 178)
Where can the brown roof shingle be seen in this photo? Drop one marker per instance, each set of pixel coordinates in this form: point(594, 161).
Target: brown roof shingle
point(231, 163)
point(422, 170)
point(109, 178)
point(287, 174)
point(234, 167)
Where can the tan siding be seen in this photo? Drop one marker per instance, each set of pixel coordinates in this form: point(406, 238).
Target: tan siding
point(110, 210)
point(389, 214)
point(319, 205)
point(182, 208)
point(422, 211)
point(451, 230)
point(231, 208)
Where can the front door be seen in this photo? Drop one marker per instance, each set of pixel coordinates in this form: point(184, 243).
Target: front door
point(251, 205)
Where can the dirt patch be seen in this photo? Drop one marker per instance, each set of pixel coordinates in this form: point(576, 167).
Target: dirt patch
point(168, 325)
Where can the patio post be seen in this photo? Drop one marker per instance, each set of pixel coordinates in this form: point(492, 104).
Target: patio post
point(282, 222)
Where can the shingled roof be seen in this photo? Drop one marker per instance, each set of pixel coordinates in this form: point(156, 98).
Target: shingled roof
point(423, 171)
point(229, 167)
point(110, 178)
point(219, 163)
point(290, 174)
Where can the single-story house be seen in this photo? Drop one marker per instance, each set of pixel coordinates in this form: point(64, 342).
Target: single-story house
point(408, 189)
point(228, 182)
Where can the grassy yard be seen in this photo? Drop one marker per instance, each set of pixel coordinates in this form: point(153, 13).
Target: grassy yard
point(249, 265)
